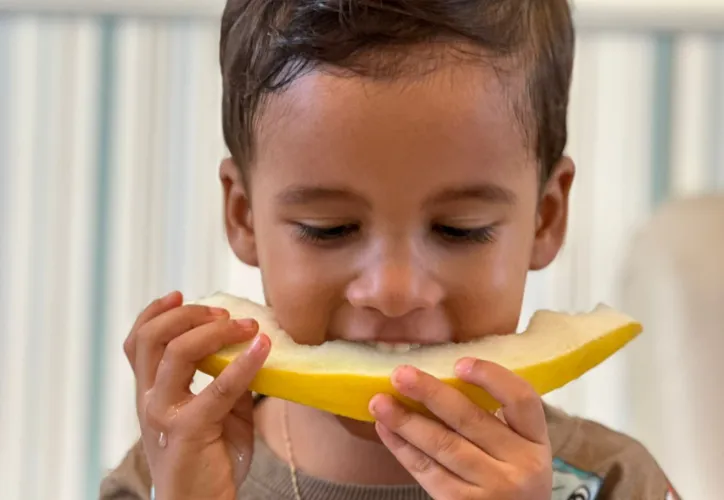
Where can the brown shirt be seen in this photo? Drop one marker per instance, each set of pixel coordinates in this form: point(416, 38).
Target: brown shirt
point(589, 462)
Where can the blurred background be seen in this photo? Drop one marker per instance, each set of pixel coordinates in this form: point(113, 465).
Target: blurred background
point(110, 139)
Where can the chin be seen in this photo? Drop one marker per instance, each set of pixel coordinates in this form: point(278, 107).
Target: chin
point(362, 430)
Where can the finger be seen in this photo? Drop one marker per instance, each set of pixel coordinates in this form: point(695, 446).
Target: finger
point(183, 354)
point(522, 406)
point(458, 412)
point(218, 399)
point(434, 440)
point(155, 308)
point(433, 477)
point(154, 335)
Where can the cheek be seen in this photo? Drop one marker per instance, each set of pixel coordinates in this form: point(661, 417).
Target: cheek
point(510, 263)
point(303, 288)
point(491, 298)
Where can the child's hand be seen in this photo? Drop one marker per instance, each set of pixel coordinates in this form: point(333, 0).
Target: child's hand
point(197, 446)
point(473, 454)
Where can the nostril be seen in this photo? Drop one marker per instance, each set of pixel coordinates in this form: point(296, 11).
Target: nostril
point(393, 304)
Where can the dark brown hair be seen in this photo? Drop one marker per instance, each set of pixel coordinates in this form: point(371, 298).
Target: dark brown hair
point(266, 44)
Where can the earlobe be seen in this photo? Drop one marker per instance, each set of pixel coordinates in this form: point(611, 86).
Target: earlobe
point(552, 216)
point(237, 213)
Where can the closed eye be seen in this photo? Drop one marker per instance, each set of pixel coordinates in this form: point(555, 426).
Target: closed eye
point(465, 235)
point(451, 234)
point(317, 234)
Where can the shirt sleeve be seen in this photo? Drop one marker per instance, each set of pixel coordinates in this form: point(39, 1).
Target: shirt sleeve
point(131, 480)
point(636, 474)
point(594, 462)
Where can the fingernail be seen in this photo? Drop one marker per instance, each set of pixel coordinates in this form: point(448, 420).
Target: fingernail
point(218, 311)
point(377, 405)
point(465, 366)
point(406, 376)
point(257, 345)
point(246, 324)
point(373, 406)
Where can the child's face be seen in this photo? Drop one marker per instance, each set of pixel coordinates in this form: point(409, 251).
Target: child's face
point(402, 211)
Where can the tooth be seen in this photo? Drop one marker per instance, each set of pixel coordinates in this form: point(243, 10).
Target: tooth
point(385, 347)
point(396, 348)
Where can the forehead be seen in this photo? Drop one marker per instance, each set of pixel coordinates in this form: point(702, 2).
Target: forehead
point(456, 121)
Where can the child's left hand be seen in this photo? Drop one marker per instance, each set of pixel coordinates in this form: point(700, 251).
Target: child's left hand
point(472, 454)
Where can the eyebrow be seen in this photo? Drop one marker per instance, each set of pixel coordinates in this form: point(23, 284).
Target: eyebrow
point(300, 195)
point(490, 193)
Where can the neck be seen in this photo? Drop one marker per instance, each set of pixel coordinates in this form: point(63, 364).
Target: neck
point(327, 447)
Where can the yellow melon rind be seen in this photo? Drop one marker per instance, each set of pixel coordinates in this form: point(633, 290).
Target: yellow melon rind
point(348, 395)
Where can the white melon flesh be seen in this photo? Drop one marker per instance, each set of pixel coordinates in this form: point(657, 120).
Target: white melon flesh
point(341, 377)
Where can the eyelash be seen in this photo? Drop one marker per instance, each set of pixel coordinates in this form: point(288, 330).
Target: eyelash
point(455, 235)
point(459, 235)
point(325, 234)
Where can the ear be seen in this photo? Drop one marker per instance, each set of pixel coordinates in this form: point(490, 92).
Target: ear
point(552, 216)
point(237, 213)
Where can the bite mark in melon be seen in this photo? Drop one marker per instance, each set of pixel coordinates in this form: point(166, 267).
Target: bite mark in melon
point(341, 377)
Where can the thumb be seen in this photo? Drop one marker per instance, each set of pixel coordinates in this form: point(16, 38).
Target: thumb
point(224, 393)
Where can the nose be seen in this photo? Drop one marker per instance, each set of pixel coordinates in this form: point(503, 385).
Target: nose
point(395, 285)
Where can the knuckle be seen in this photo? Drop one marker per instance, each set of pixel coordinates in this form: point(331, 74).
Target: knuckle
point(470, 418)
point(422, 464)
point(128, 348)
point(151, 413)
point(448, 443)
point(198, 310)
point(144, 339)
point(518, 483)
point(514, 483)
point(224, 325)
point(466, 494)
point(527, 398)
point(431, 391)
point(194, 316)
point(144, 334)
point(176, 350)
point(539, 465)
point(218, 389)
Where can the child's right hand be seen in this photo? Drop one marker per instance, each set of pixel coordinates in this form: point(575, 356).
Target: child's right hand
point(197, 446)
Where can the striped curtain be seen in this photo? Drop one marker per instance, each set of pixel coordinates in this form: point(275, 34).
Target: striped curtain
point(109, 143)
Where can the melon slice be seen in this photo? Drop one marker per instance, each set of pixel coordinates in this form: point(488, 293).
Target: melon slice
point(341, 377)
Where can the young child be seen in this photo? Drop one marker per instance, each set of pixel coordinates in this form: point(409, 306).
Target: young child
point(396, 170)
